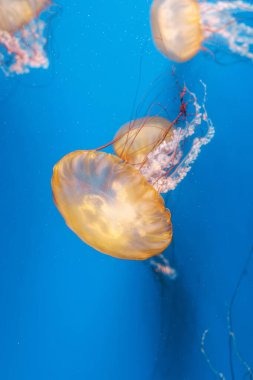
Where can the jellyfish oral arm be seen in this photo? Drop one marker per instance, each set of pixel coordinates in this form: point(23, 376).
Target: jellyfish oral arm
point(218, 19)
point(22, 35)
point(161, 265)
point(168, 164)
point(26, 48)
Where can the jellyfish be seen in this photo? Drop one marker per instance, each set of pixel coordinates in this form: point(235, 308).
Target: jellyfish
point(165, 156)
point(22, 35)
point(181, 28)
point(111, 206)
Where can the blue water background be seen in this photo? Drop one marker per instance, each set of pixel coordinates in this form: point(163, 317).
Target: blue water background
point(68, 312)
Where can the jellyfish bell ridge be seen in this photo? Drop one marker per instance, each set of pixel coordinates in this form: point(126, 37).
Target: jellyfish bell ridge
point(136, 139)
point(110, 205)
point(14, 14)
point(176, 28)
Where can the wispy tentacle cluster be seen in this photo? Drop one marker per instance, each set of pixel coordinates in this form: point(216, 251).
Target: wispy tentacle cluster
point(169, 163)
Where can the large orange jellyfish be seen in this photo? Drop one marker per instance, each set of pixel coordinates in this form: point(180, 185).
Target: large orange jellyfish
point(22, 35)
point(111, 206)
point(181, 27)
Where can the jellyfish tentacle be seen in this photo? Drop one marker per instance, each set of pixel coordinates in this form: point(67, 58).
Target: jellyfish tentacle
point(218, 20)
point(231, 334)
point(232, 342)
point(218, 374)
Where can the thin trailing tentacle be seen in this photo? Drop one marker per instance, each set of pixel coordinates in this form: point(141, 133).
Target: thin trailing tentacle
point(218, 374)
point(233, 347)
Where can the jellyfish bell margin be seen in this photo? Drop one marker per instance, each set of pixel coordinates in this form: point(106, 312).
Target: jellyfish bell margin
point(111, 206)
point(181, 28)
point(22, 35)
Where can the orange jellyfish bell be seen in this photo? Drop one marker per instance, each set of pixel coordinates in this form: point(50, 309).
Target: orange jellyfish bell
point(110, 205)
point(16, 13)
point(136, 139)
point(176, 28)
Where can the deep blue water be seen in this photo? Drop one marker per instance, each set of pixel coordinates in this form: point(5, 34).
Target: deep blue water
point(68, 312)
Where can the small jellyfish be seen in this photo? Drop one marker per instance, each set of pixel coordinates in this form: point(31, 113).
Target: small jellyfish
point(111, 206)
point(22, 35)
point(181, 27)
point(176, 28)
point(165, 156)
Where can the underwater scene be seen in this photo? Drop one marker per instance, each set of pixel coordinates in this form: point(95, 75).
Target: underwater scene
point(126, 190)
